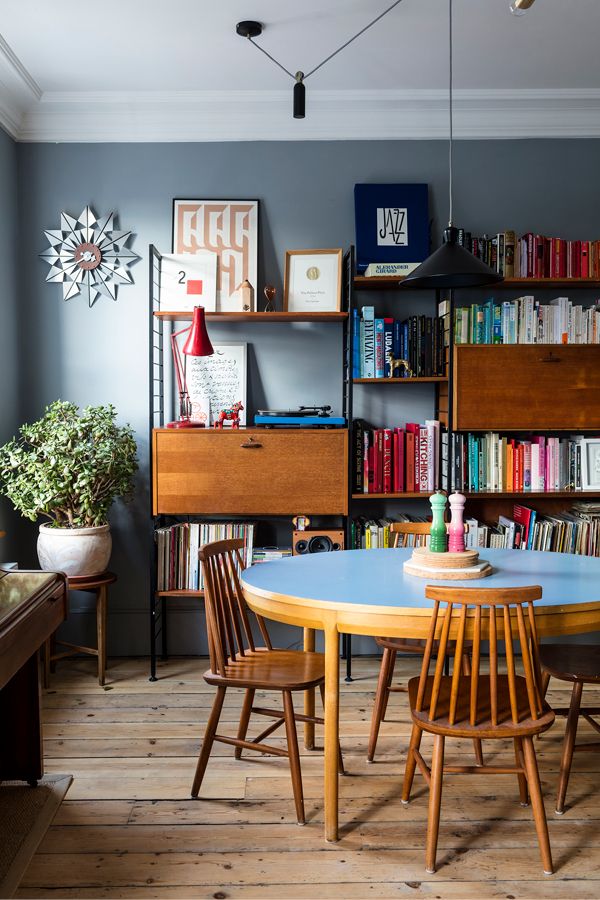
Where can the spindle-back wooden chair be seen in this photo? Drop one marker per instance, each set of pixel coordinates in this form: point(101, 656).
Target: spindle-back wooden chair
point(402, 532)
point(236, 661)
point(491, 706)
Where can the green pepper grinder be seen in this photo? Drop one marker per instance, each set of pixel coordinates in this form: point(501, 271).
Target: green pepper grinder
point(439, 537)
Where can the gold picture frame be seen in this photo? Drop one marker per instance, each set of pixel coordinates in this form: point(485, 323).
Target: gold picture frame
point(313, 281)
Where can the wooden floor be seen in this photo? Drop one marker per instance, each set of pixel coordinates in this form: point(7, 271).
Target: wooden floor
point(129, 829)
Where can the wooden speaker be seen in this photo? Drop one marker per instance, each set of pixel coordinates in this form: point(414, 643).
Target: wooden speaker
point(317, 541)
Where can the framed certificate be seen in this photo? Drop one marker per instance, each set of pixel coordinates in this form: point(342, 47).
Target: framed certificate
point(313, 281)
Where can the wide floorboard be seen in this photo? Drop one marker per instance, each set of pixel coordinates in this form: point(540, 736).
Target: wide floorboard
point(129, 829)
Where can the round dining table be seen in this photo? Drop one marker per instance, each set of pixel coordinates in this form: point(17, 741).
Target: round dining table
point(368, 592)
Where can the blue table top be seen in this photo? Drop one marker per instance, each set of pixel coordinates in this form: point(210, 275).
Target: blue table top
point(376, 577)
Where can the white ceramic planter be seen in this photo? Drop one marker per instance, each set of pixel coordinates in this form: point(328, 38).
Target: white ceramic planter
point(74, 551)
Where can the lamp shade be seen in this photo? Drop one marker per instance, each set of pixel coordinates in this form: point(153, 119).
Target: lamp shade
point(451, 266)
point(198, 342)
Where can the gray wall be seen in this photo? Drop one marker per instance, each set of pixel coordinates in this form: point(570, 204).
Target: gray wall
point(99, 355)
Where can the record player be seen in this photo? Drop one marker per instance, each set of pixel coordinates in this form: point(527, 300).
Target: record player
point(302, 417)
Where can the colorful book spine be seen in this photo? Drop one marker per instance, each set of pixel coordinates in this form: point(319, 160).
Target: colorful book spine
point(379, 348)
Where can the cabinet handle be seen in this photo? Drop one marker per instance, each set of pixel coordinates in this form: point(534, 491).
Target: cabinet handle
point(550, 358)
point(251, 444)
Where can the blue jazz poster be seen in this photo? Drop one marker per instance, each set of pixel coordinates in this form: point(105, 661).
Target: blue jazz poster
point(392, 227)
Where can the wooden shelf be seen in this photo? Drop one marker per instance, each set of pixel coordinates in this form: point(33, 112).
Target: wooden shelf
point(180, 593)
point(430, 379)
point(485, 495)
point(186, 316)
point(390, 283)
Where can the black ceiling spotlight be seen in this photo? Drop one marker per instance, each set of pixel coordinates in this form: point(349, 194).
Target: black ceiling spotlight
point(451, 265)
point(250, 29)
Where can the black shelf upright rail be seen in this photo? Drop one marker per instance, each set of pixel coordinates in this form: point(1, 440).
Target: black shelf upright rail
point(156, 419)
point(349, 266)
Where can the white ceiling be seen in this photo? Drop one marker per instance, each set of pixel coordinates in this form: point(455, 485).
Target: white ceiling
point(152, 70)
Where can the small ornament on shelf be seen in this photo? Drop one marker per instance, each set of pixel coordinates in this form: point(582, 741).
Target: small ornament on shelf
point(269, 292)
point(456, 529)
point(232, 414)
point(398, 364)
point(247, 296)
point(438, 535)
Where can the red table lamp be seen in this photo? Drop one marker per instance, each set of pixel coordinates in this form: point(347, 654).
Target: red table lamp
point(197, 344)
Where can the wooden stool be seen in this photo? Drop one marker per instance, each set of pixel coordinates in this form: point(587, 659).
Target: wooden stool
point(579, 663)
point(98, 585)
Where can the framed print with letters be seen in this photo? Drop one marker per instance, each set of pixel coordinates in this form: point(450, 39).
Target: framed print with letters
point(217, 382)
point(228, 228)
point(313, 281)
point(188, 280)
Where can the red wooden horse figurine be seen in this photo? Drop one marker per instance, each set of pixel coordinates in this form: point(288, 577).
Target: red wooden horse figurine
point(231, 415)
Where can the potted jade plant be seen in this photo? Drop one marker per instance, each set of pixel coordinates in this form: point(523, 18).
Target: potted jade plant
point(69, 467)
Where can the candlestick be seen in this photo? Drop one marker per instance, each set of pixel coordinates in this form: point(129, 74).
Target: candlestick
point(456, 529)
point(439, 538)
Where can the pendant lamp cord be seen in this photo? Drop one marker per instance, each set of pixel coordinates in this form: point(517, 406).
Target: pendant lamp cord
point(450, 107)
point(331, 55)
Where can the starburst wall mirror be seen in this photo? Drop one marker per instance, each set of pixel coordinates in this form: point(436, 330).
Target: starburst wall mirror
point(88, 256)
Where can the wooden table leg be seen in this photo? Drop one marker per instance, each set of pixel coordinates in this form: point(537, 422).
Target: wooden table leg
point(309, 695)
point(101, 632)
point(332, 689)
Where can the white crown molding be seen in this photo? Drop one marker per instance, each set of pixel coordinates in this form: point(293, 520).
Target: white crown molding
point(19, 90)
point(181, 116)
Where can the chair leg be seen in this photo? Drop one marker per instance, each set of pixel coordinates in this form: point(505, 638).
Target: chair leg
point(523, 795)
point(568, 745)
point(435, 801)
point(209, 737)
point(411, 762)
point(537, 803)
point(294, 755)
point(391, 666)
point(244, 719)
point(545, 683)
point(341, 770)
point(385, 674)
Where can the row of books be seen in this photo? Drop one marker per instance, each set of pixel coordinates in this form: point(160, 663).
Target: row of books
point(269, 554)
point(534, 255)
point(574, 531)
point(418, 339)
point(494, 462)
point(374, 534)
point(527, 321)
point(178, 566)
point(394, 460)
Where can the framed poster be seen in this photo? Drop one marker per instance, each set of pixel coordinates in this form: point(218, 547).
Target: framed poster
point(392, 228)
point(228, 228)
point(312, 281)
point(590, 464)
point(187, 281)
point(216, 382)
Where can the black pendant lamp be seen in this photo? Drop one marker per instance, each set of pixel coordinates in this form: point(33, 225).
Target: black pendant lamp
point(451, 265)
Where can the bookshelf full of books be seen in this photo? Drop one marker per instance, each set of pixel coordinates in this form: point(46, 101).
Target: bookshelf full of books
point(178, 566)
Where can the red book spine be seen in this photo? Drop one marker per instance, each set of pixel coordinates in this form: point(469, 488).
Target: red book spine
point(516, 469)
point(399, 462)
point(377, 461)
point(576, 273)
point(387, 460)
point(585, 259)
point(367, 477)
point(424, 452)
point(562, 258)
point(371, 466)
point(538, 256)
point(530, 269)
point(410, 460)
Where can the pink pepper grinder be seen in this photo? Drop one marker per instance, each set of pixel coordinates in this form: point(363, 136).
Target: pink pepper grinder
point(456, 529)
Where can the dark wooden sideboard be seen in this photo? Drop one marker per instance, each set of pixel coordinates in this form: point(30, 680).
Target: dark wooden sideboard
point(32, 606)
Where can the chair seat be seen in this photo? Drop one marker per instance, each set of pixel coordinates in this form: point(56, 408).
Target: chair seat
point(278, 670)
point(484, 728)
point(572, 662)
point(413, 645)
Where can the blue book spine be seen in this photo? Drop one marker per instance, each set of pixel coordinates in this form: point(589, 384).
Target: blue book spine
point(388, 345)
point(379, 348)
point(405, 349)
point(397, 339)
point(355, 344)
point(497, 329)
point(368, 313)
point(531, 528)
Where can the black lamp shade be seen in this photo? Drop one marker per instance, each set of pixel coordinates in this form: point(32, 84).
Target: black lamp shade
point(451, 266)
point(299, 100)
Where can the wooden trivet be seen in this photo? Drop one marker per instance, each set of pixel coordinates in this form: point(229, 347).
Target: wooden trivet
point(422, 556)
point(480, 570)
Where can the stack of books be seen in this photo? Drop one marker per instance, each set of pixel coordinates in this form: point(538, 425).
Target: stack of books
point(268, 554)
point(418, 339)
point(396, 460)
point(494, 462)
point(178, 545)
point(574, 531)
point(373, 534)
point(534, 255)
point(527, 321)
